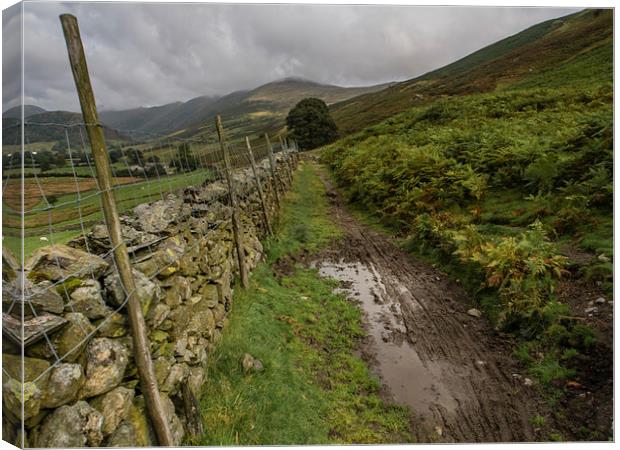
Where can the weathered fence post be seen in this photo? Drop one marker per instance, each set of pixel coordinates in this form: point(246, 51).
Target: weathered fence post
point(289, 172)
point(148, 381)
point(259, 187)
point(272, 165)
point(243, 274)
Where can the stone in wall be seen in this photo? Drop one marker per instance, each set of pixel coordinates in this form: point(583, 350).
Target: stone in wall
point(184, 262)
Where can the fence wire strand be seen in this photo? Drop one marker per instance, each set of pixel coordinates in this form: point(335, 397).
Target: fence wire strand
point(60, 205)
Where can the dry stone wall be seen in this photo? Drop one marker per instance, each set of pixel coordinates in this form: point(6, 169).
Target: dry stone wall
point(80, 380)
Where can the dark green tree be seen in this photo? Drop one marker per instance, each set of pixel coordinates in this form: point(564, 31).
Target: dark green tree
point(115, 155)
point(135, 156)
point(45, 160)
point(310, 124)
point(185, 160)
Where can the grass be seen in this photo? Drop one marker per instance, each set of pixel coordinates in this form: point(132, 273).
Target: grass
point(313, 389)
point(494, 188)
point(65, 219)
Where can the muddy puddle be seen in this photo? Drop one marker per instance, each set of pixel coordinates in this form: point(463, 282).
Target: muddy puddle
point(410, 380)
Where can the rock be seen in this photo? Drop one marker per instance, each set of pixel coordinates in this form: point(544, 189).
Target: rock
point(114, 406)
point(40, 298)
point(179, 290)
point(251, 364)
point(600, 301)
point(114, 326)
point(12, 398)
point(474, 312)
point(34, 369)
point(78, 425)
point(99, 239)
point(155, 217)
point(162, 366)
point(165, 261)
point(32, 330)
point(69, 341)
point(603, 257)
point(65, 381)
point(528, 382)
point(196, 378)
point(87, 299)
point(145, 435)
point(157, 315)
point(210, 295)
point(177, 374)
point(591, 310)
point(123, 436)
point(10, 266)
point(106, 361)
point(59, 262)
point(147, 291)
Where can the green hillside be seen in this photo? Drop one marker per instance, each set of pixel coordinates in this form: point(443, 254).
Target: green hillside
point(585, 37)
point(50, 126)
point(244, 112)
point(508, 186)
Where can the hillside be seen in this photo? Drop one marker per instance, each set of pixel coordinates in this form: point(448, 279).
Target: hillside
point(242, 111)
point(16, 111)
point(157, 119)
point(55, 123)
point(509, 189)
point(583, 39)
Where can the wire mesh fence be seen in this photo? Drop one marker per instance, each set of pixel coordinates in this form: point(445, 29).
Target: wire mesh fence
point(63, 295)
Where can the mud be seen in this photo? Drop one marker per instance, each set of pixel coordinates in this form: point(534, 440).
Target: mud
point(454, 371)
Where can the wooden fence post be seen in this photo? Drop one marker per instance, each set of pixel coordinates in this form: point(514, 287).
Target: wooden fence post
point(272, 165)
point(146, 372)
point(237, 231)
point(289, 172)
point(259, 187)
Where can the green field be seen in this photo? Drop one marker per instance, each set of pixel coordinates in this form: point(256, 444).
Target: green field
point(65, 212)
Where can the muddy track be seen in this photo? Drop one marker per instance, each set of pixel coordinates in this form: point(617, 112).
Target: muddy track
point(452, 369)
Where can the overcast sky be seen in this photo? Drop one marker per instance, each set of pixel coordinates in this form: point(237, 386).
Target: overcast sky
point(151, 54)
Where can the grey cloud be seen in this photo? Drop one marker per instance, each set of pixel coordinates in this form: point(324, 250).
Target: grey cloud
point(150, 54)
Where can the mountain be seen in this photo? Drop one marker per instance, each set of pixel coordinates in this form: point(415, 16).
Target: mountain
point(52, 129)
point(16, 111)
point(242, 111)
point(559, 50)
point(158, 119)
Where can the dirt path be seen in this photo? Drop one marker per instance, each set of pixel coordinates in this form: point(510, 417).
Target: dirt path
point(452, 369)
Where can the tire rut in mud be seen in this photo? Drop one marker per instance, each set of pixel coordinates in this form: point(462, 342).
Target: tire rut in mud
point(453, 370)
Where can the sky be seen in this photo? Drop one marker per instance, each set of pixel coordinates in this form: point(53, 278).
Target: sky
point(147, 54)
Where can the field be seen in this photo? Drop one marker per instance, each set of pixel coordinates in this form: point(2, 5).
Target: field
point(62, 221)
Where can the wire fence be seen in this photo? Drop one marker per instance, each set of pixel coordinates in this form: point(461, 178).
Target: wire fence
point(53, 196)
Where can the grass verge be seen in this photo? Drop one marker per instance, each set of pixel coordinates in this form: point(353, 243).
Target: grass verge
point(313, 390)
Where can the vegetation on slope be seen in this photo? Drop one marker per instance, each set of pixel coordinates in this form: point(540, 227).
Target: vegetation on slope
point(313, 390)
point(494, 185)
point(534, 53)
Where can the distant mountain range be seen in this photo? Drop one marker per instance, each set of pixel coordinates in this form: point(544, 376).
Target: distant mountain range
point(252, 111)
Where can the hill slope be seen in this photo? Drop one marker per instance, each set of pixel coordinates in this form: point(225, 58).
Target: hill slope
point(16, 111)
point(242, 111)
point(511, 193)
point(53, 128)
point(582, 38)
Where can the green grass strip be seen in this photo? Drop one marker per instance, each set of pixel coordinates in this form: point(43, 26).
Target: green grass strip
point(313, 389)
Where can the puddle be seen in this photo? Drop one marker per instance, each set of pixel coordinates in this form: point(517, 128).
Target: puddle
point(410, 380)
